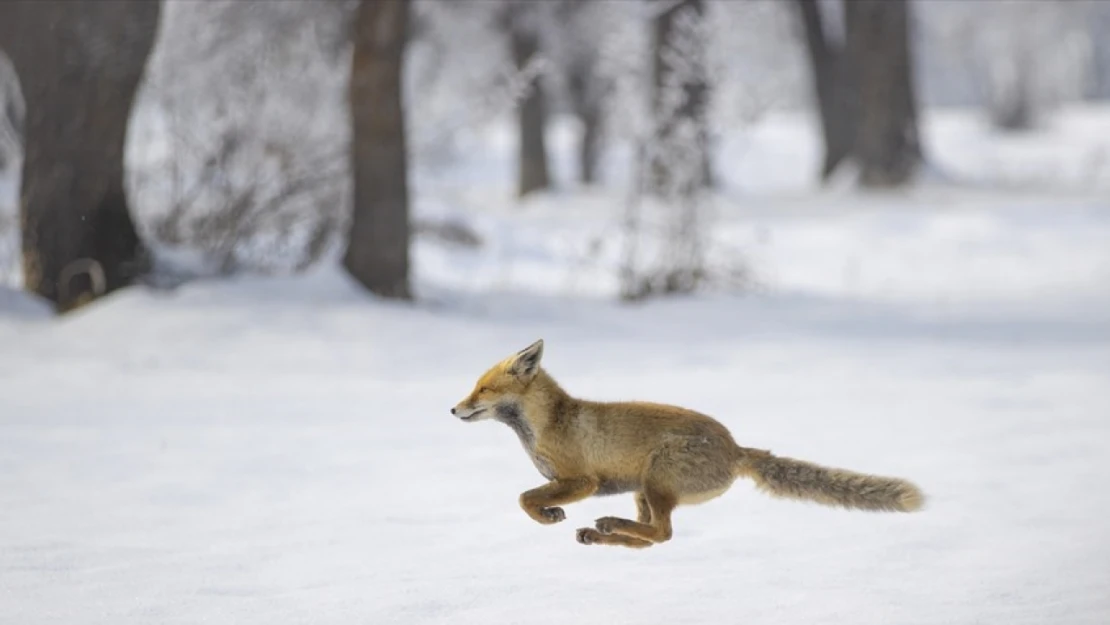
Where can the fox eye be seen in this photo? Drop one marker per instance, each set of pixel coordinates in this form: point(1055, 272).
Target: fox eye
point(483, 390)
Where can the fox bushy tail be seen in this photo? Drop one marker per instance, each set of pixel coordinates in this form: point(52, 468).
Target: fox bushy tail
point(797, 479)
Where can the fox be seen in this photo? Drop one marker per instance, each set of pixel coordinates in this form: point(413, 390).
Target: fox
point(668, 456)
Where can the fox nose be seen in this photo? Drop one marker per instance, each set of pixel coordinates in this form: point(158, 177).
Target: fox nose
point(452, 411)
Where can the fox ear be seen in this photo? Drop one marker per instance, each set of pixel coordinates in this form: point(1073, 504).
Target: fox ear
point(526, 363)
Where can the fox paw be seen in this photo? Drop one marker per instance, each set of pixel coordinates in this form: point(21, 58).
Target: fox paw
point(552, 515)
point(588, 536)
point(607, 524)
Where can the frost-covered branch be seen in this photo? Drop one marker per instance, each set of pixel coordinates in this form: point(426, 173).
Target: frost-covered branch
point(241, 131)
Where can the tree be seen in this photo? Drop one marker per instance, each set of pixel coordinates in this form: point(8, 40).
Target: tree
point(887, 147)
point(680, 96)
point(674, 171)
point(79, 65)
point(1025, 58)
point(865, 91)
point(585, 86)
point(377, 252)
point(523, 22)
point(248, 105)
point(834, 85)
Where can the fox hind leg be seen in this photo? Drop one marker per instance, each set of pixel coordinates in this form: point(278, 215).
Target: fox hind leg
point(658, 529)
point(595, 536)
point(643, 511)
point(690, 471)
point(590, 536)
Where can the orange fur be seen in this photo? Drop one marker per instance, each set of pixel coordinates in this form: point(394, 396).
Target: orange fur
point(667, 455)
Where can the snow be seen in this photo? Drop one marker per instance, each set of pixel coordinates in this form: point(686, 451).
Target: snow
point(279, 450)
point(19, 305)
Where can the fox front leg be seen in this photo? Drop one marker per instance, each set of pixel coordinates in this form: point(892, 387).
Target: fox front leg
point(542, 504)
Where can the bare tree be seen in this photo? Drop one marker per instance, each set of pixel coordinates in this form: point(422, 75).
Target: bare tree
point(378, 245)
point(79, 65)
point(864, 89)
point(250, 101)
point(680, 91)
point(834, 85)
point(585, 85)
point(887, 147)
point(1026, 57)
point(665, 224)
point(523, 22)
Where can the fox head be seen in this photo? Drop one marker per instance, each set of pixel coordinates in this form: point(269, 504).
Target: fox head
point(504, 384)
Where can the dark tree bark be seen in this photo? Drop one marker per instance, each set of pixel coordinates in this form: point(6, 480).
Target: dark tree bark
point(1012, 108)
point(588, 108)
point(864, 90)
point(524, 43)
point(887, 148)
point(585, 87)
point(1011, 103)
point(79, 65)
point(834, 85)
point(693, 100)
point(378, 245)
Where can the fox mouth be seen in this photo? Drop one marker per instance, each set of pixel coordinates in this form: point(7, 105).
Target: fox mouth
point(474, 415)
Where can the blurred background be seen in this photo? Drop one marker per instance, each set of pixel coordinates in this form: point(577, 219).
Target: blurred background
point(231, 137)
point(251, 252)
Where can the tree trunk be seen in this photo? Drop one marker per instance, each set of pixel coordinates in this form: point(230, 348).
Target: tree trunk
point(834, 85)
point(887, 148)
point(680, 99)
point(79, 65)
point(586, 88)
point(1009, 90)
point(587, 107)
point(524, 41)
point(378, 246)
point(589, 145)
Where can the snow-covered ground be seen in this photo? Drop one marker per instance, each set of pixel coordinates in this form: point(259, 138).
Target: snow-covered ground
point(280, 450)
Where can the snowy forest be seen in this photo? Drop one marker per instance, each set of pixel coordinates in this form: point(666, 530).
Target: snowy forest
point(252, 251)
point(240, 141)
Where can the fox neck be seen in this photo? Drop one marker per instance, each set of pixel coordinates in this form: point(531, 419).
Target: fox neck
point(543, 402)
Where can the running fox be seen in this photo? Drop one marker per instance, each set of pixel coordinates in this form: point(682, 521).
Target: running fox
point(668, 456)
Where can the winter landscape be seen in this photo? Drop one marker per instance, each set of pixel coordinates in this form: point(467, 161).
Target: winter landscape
point(247, 436)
